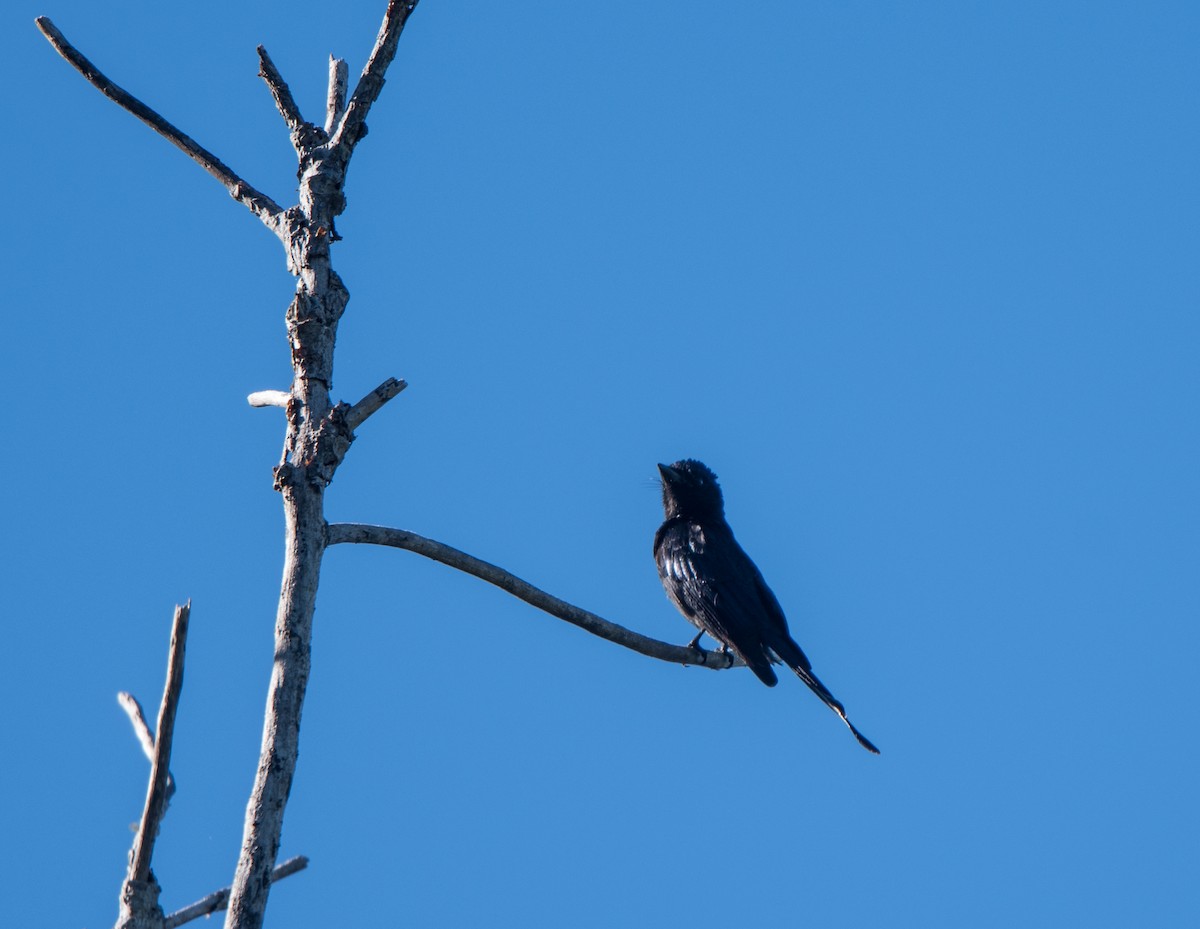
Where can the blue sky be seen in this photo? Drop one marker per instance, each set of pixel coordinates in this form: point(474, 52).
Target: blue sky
point(918, 281)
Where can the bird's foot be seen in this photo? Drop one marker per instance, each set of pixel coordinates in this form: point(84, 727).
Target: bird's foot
point(694, 646)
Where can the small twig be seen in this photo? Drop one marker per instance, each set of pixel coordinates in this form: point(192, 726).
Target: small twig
point(369, 404)
point(269, 398)
point(145, 737)
point(220, 899)
point(335, 105)
point(597, 625)
point(141, 728)
point(256, 201)
point(370, 83)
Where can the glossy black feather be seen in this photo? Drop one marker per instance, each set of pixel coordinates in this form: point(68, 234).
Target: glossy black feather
point(718, 588)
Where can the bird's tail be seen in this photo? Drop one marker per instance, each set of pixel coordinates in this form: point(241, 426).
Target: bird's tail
point(793, 656)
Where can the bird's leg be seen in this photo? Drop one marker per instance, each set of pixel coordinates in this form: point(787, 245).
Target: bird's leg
point(694, 646)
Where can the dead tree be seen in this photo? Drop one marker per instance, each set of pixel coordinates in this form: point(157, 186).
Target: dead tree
point(317, 437)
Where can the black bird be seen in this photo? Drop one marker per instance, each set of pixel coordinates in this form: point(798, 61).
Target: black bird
point(719, 589)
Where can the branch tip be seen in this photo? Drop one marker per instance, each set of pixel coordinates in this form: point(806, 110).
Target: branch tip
point(371, 403)
point(262, 398)
point(335, 104)
point(284, 101)
point(350, 128)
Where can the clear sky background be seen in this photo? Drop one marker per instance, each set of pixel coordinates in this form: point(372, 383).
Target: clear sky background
point(918, 281)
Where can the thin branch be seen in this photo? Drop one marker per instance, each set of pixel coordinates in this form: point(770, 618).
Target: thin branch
point(399, 538)
point(335, 104)
point(370, 83)
point(139, 907)
point(280, 92)
point(141, 728)
point(220, 899)
point(145, 737)
point(369, 404)
point(254, 200)
point(304, 134)
point(269, 398)
point(143, 842)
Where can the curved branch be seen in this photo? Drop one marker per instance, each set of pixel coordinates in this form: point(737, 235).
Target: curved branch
point(596, 625)
point(256, 201)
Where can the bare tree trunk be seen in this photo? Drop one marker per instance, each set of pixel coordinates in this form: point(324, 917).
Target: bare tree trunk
point(304, 545)
point(318, 436)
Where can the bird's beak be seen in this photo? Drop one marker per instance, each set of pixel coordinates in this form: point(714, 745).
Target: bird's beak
point(668, 473)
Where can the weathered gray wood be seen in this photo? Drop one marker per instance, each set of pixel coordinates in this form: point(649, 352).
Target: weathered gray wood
point(219, 900)
point(145, 737)
point(139, 907)
point(357, 414)
point(317, 439)
point(335, 105)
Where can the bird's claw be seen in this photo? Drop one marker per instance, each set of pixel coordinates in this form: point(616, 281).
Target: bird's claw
point(694, 646)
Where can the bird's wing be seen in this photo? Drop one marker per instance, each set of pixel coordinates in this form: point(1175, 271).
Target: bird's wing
point(712, 581)
point(776, 633)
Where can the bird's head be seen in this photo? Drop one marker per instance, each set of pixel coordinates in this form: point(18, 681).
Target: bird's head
point(690, 490)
